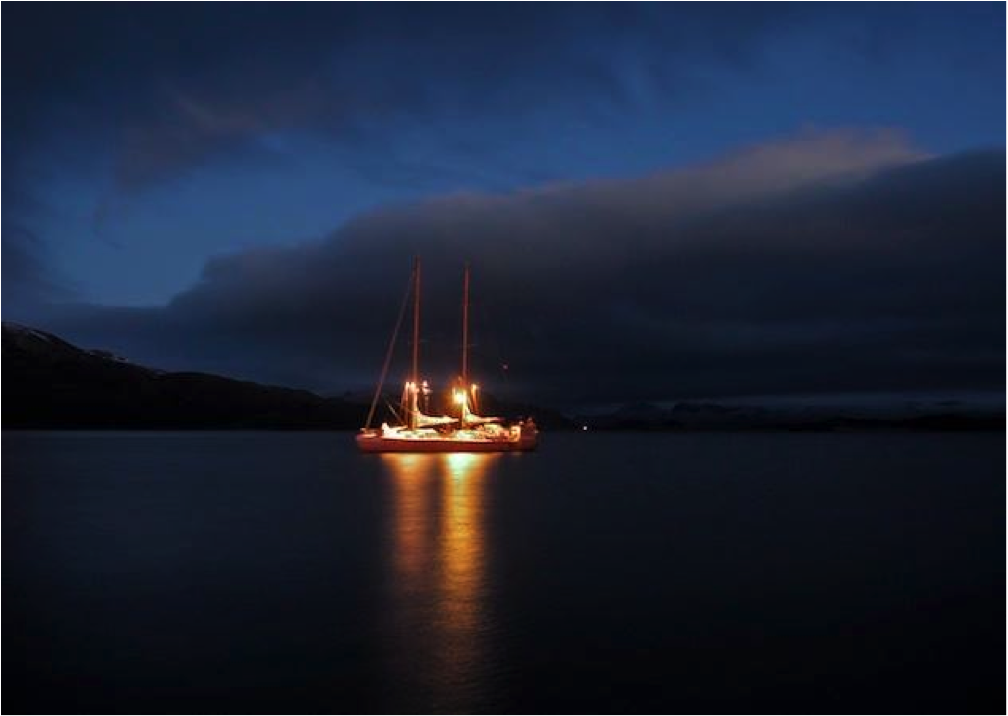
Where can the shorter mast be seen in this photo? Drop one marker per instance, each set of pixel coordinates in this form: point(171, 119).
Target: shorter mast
point(416, 320)
point(465, 328)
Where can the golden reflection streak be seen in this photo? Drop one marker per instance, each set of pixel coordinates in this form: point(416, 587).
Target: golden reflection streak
point(412, 553)
point(447, 564)
point(462, 534)
point(462, 583)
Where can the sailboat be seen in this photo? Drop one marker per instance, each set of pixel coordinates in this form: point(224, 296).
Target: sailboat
point(419, 432)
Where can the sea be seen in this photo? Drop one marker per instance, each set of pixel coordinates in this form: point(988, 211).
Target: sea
point(283, 572)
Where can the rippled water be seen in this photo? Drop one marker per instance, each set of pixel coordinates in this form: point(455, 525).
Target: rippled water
point(284, 572)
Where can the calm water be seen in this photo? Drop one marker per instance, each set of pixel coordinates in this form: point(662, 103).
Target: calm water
point(283, 572)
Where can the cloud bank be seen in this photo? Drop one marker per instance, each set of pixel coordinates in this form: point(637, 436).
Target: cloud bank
point(828, 263)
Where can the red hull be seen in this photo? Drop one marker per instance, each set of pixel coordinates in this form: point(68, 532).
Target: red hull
point(371, 443)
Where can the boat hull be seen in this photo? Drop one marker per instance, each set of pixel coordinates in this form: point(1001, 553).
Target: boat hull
point(370, 443)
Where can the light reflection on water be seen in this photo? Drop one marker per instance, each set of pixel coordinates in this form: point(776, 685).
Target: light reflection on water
point(437, 616)
point(271, 572)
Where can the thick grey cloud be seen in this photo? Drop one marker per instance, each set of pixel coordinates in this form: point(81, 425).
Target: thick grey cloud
point(830, 263)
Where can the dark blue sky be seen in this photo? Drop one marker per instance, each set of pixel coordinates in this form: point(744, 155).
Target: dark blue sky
point(146, 144)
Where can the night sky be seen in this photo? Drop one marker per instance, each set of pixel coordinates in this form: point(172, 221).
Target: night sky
point(659, 201)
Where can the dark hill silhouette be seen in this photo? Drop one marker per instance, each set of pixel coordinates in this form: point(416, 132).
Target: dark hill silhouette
point(686, 416)
point(54, 384)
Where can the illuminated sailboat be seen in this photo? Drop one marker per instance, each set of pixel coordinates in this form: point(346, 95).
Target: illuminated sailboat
point(419, 432)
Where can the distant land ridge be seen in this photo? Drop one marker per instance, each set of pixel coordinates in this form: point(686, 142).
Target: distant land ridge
point(53, 384)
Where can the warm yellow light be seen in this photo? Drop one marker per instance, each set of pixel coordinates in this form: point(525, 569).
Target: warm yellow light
point(475, 387)
point(460, 398)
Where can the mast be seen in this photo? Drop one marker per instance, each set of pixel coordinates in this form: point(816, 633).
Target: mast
point(414, 386)
point(415, 376)
point(465, 328)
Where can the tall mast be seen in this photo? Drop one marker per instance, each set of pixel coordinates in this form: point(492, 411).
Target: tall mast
point(416, 320)
point(465, 328)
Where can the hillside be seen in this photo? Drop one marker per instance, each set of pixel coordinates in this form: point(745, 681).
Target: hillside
point(51, 383)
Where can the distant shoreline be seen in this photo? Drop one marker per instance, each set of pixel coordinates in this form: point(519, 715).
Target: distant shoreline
point(993, 427)
point(56, 386)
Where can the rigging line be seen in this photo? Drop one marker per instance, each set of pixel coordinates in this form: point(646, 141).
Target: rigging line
point(394, 412)
point(388, 353)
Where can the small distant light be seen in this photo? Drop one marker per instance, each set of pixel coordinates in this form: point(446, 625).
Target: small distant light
point(584, 428)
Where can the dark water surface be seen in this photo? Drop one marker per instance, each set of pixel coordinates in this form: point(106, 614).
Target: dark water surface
point(283, 572)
